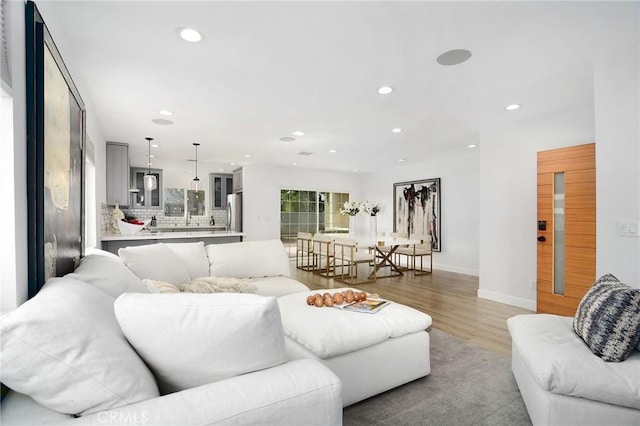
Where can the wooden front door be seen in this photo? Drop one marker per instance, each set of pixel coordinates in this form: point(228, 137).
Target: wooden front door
point(566, 227)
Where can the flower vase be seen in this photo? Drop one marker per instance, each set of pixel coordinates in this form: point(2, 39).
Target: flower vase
point(352, 226)
point(116, 216)
point(373, 228)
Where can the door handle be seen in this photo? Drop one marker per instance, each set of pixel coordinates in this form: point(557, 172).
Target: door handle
point(542, 239)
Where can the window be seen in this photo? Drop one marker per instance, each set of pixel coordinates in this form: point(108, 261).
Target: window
point(310, 211)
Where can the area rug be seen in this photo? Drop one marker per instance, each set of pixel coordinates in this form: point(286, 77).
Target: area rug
point(468, 385)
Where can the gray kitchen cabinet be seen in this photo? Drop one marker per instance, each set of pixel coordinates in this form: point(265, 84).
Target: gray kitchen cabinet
point(144, 198)
point(220, 185)
point(117, 173)
point(237, 180)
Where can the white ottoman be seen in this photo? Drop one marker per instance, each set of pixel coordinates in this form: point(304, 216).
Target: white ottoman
point(370, 353)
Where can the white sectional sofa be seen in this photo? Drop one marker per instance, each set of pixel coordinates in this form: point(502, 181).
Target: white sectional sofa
point(95, 347)
point(582, 370)
point(70, 357)
point(563, 383)
point(369, 353)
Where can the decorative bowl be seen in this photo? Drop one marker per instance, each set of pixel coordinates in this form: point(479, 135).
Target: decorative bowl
point(127, 228)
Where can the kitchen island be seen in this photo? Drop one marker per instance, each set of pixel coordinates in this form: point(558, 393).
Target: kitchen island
point(113, 242)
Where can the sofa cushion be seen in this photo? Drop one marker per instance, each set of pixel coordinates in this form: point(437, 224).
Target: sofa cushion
point(189, 340)
point(608, 319)
point(329, 332)
point(193, 256)
point(64, 349)
point(561, 363)
point(156, 262)
point(108, 274)
point(277, 286)
point(249, 259)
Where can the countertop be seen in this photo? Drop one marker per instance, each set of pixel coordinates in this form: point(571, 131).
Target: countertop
point(195, 233)
point(187, 228)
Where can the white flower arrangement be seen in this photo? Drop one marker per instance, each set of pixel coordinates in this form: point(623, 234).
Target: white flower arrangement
point(370, 207)
point(350, 208)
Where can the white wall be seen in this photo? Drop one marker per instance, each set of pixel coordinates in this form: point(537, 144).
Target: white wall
point(617, 99)
point(508, 205)
point(16, 39)
point(504, 211)
point(508, 171)
point(15, 290)
point(261, 194)
point(458, 172)
point(93, 128)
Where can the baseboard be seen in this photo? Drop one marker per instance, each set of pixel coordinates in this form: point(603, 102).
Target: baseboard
point(508, 300)
point(456, 269)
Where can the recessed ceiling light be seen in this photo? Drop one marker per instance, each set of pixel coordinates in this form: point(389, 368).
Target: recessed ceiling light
point(221, 170)
point(189, 34)
point(472, 145)
point(149, 164)
point(152, 156)
point(332, 151)
point(356, 170)
point(165, 112)
point(453, 57)
point(397, 130)
point(294, 164)
point(155, 145)
point(232, 164)
point(287, 139)
point(162, 121)
point(247, 155)
point(298, 133)
point(512, 107)
point(402, 160)
point(385, 90)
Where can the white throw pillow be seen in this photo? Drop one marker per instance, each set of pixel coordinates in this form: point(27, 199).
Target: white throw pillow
point(193, 256)
point(155, 262)
point(189, 340)
point(65, 350)
point(100, 252)
point(108, 274)
point(249, 259)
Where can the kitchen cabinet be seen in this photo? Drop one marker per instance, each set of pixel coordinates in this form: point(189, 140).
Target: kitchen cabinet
point(237, 180)
point(117, 173)
point(144, 198)
point(220, 185)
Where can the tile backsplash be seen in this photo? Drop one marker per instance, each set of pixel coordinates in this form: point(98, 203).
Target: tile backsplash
point(219, 216)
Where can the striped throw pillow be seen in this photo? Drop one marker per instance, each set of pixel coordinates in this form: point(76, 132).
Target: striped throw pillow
point(608, 319)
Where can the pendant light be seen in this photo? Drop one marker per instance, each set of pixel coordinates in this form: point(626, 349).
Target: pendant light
point(150, 181)
point(196, 180)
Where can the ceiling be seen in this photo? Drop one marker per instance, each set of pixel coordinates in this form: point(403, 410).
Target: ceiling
point(266, 69)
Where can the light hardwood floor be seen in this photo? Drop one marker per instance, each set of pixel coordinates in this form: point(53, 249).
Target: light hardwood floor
point(449, 298)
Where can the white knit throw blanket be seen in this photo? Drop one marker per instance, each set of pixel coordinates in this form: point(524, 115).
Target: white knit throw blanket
point(218, 285)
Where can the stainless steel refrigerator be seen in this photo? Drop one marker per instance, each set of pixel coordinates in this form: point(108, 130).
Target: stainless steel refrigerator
point(234, 212)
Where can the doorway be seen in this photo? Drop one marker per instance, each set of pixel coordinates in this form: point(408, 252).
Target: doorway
point(566, 228)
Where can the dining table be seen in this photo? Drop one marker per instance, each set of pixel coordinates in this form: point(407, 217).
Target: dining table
point(385, 248)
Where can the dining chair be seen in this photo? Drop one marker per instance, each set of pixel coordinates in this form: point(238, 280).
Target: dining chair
point(421, 250)
point(323, 255)
point(347, 258)
point(304, 251)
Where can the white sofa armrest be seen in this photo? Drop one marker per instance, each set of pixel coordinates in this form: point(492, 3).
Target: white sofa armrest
point(297, 391)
